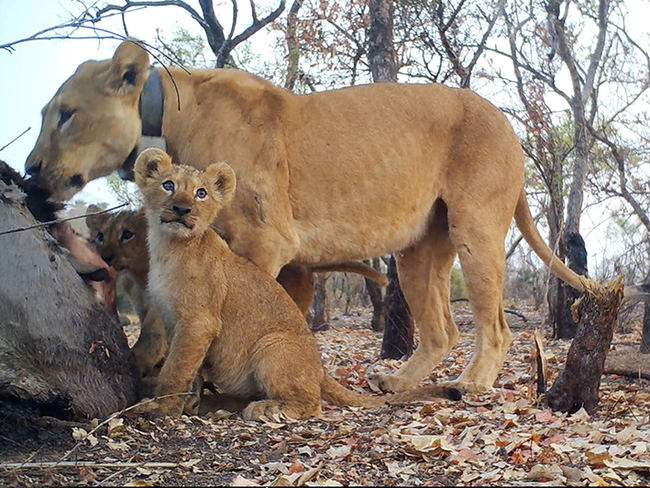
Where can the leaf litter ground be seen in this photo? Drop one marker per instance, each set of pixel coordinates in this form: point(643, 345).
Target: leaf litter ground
point(499, 438)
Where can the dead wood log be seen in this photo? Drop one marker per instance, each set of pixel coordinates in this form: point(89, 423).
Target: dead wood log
point(628, 373)
point(596, 313)
point(506, 310)
point(60, 351)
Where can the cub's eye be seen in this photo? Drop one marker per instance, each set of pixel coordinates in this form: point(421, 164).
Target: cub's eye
point(201, 193)
point(65, 115)
point(100, 238)
point(126, 235)
point(168, 185)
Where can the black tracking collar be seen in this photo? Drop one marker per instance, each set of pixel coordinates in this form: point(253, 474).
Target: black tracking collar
point(151, 105)
point(151, 114)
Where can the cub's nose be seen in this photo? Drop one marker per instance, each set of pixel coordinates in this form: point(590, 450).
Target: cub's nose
point(181, 211)
point(108, 258)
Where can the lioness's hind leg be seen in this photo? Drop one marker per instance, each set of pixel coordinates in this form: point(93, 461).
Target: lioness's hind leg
point(424, 271)
point(482, 259)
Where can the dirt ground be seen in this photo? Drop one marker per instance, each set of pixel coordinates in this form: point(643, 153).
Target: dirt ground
point(500, 438)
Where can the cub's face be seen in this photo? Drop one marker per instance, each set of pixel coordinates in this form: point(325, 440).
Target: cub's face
point(121, 238)
point(181, 199)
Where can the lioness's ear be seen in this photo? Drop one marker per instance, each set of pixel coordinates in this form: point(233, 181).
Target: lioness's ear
point(129, 68)
point(94, 221)
point(149, 164)
point(223, 179)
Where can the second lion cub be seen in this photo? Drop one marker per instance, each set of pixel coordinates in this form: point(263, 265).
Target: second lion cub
point(228, 316)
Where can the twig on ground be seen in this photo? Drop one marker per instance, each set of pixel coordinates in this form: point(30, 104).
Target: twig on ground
point(79, 464)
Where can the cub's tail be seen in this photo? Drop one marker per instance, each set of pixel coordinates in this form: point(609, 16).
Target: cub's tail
point(336, 394)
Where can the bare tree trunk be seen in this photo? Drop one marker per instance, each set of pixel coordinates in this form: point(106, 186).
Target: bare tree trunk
point(293, 46)
point(563, 324)
point(319, 320)
point(378, 321)
point(398, 331)
point(381, 53)
point(645, 335)
point(398, 340)
point(577, 385)
point(60, 351)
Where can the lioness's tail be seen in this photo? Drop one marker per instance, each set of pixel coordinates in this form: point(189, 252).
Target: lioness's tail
point(524, 221)
point(354, 267)
point(335, 393)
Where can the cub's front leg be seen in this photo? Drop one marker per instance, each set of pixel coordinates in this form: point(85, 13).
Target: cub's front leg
point(188, 349)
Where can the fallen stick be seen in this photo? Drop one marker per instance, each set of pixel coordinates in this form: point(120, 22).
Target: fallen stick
point(84, 464)
point(506, 310)
point(629, 373)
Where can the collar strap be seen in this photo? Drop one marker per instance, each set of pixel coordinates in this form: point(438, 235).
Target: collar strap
point(151, 113)
point(151, 105)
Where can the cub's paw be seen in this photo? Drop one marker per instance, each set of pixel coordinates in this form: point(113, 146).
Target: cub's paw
point(263, 410)
point(164, 407)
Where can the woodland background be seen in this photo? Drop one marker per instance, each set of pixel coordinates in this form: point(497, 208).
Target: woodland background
point(573, 80)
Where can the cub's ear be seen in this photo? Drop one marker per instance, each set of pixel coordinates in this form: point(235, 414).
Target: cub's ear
point(129, 68)
point(94, 221)
point(151, 162)
point(223, 180)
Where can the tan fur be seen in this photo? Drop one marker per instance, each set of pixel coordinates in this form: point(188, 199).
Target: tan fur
point(121, 240)
point(425, 171)
point(229, 317)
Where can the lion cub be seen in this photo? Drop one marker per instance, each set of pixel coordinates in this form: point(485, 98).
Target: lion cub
point(229, 317)
point(121, 240)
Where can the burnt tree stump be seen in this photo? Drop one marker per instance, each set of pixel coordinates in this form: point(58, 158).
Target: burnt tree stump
point(61, 353)
point(398, 341)
point(596, 313)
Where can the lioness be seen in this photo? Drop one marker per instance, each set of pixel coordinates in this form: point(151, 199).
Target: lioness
point(121, 240)
point(426, 171)
point(229, 317)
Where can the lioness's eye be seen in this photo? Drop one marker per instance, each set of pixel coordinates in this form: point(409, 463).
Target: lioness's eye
point(126, 235)
point(201, 193)
point(168, 185)
point(64, 116)
point(100, 238)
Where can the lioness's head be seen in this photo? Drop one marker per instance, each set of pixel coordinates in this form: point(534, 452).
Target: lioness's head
point(182, 200)
point(121, 238)
point(92, 124)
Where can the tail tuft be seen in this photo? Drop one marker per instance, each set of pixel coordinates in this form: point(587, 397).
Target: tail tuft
point(455, 394)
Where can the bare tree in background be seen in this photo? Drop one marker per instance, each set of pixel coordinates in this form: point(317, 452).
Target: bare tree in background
point(542, 43)
point(221, 41)
point(398, 329)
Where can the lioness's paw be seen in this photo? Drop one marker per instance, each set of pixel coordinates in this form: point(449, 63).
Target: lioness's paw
point(166, 407)
point(465, 386)
point(388, 383)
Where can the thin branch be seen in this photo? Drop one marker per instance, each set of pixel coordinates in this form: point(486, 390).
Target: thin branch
point(59, 221)
point(80, 464)
point(258, 25)
point(99, 14)
point(15, 139)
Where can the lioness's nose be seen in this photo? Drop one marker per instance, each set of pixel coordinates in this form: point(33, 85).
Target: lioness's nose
point(180, 211)
point(34, 169)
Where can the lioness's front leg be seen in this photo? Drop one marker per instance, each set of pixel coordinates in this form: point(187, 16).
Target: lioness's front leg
point(258, 225)
point(188, 349)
